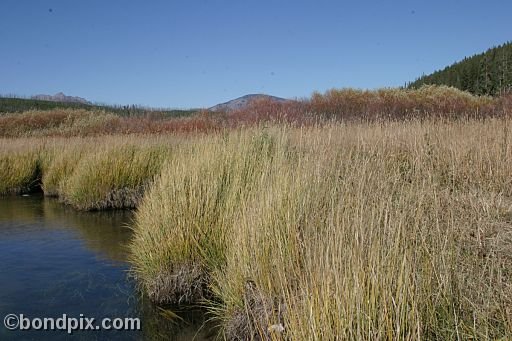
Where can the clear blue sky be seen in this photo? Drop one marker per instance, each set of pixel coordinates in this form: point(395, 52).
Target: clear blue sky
point(199, 53)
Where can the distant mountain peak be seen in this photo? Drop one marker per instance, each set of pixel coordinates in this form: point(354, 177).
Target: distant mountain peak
point(61, 97)
point(241, 102)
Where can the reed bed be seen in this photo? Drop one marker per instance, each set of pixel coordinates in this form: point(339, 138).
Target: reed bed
point(358, 231)
point(88, 173)
point(384, 230)
point(19, 171)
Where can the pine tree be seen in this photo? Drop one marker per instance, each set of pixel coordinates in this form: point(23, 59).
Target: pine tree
point(488, 73)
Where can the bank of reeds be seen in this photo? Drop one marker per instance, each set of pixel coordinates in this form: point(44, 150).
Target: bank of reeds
point(182, 223)
point(88, 173)
point(20, 170)
point(112, 177)
point(358, 231)
point(354, 230)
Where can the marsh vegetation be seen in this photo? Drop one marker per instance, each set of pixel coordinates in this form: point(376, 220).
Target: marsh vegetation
point(376, 228)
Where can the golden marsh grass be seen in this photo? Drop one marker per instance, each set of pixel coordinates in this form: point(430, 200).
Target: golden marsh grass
point(380, 231)
point(88, 173)
point(343, 231)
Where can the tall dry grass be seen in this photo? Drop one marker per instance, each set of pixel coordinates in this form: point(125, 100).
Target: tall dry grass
point(88, 173)
point(180, 233)
point(113, 177)
point(385, 230)
point(20, 170)
point(358, 231)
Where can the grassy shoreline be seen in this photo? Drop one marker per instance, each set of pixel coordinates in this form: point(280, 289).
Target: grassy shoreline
point(392, 231)
point(397, 230)
point(88, 173)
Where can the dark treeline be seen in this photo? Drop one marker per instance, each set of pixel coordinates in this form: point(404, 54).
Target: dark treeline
point(12, 104)
point(488, 73)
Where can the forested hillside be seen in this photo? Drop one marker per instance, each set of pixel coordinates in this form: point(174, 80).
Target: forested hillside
point(18, 105)
point(488, 73)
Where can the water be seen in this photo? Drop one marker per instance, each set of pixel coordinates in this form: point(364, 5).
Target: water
point(55, 260)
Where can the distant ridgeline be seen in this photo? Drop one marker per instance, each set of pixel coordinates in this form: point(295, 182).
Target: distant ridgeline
point(488, 73)
point(14, 105)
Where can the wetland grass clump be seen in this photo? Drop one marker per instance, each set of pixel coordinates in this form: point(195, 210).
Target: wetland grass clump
point(113, 177)
point(20, 169)
point(361, 231)
point(181, 228)
point(87, 173)
point(60, 163)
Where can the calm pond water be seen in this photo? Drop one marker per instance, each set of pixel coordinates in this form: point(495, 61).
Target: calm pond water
point(55, 260)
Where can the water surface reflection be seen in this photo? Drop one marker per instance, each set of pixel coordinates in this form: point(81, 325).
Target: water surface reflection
point(55, 260)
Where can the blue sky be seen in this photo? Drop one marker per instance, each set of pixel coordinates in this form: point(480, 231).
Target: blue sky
point(199, 53)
